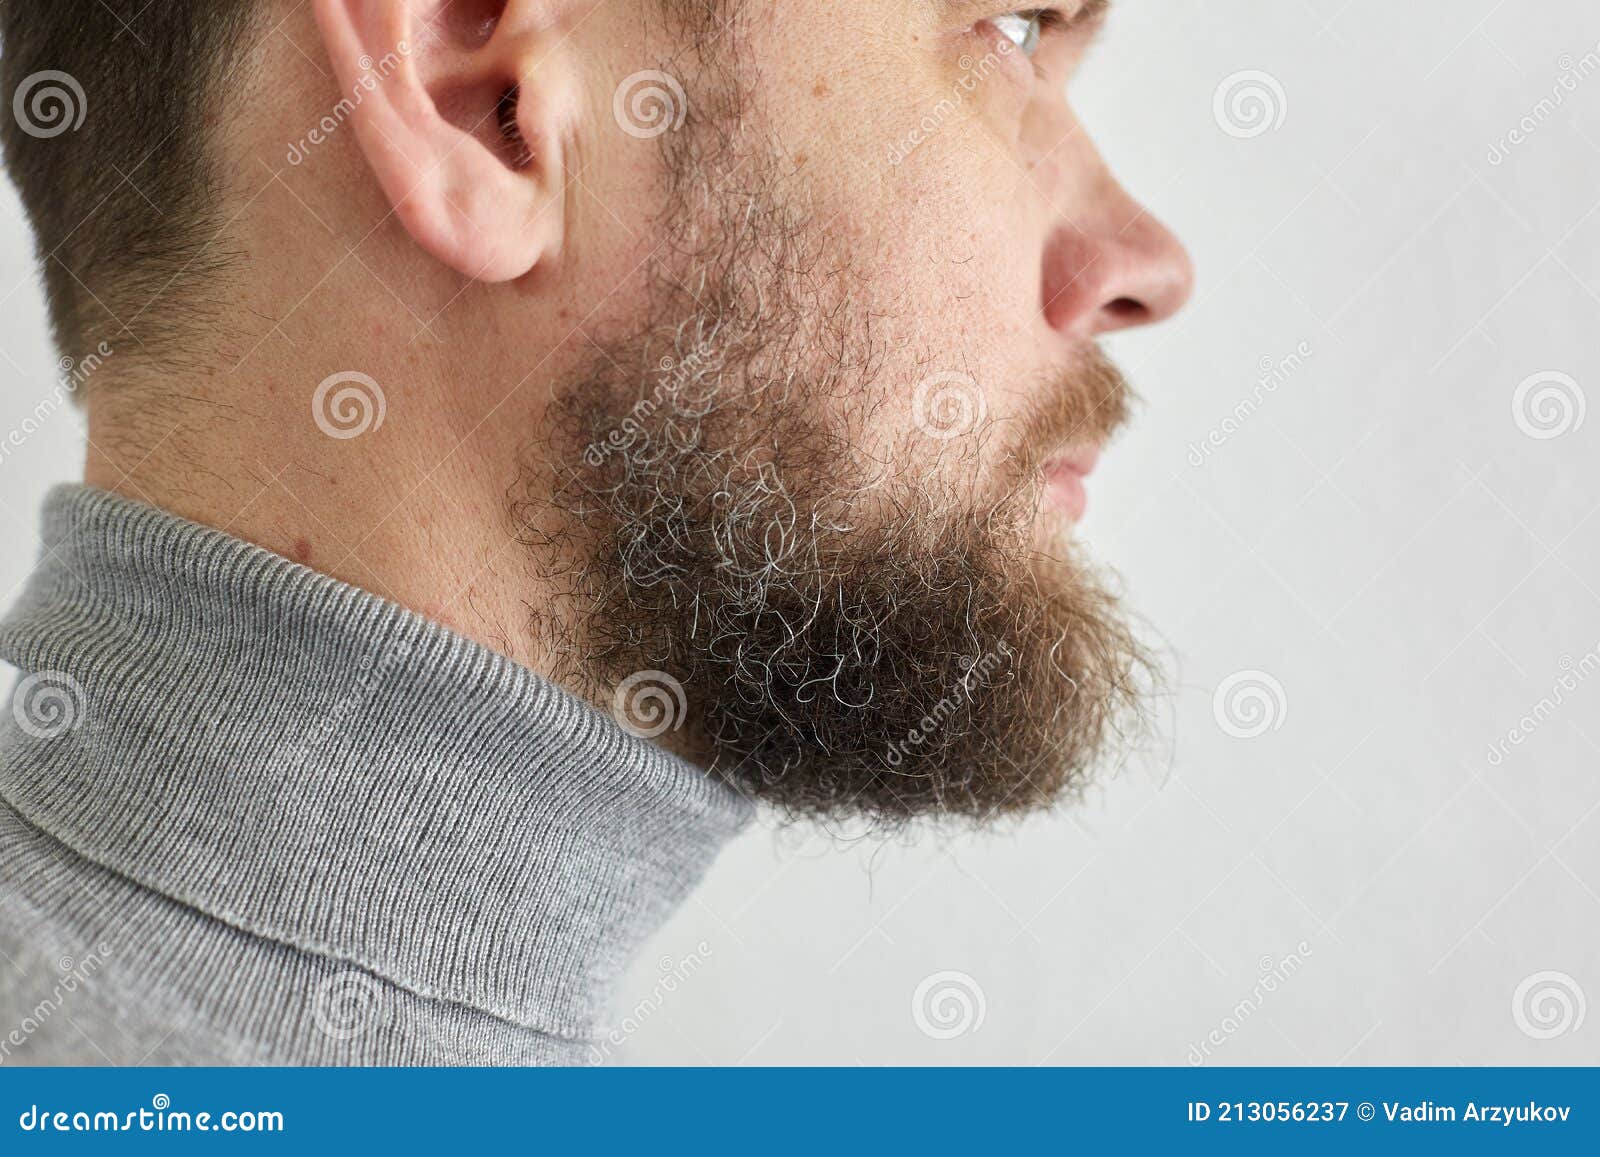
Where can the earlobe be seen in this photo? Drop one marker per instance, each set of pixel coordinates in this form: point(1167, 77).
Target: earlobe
point(459, 128)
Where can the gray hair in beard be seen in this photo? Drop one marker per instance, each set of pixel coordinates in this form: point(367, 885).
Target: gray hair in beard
point(851, 632)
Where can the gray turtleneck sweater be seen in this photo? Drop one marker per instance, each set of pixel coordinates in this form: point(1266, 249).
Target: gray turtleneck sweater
point(253, 815)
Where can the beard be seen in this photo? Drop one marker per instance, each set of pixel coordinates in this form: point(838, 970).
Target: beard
point(843, 614)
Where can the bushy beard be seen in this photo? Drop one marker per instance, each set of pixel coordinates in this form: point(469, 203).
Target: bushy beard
point(854, 621)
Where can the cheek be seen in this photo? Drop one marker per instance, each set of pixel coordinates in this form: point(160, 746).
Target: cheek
point(951, 280)
point(964, 275)
point(909, 184)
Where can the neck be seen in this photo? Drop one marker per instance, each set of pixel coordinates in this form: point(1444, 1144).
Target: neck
point(411, 506)
point(298, 758)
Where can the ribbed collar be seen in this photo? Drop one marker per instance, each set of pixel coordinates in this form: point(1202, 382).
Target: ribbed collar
point(308, 762)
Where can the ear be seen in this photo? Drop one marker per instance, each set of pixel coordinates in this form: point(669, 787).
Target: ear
point(463, 116)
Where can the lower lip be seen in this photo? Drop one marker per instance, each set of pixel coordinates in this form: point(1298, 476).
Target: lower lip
point(1065, 489)
point(1064, 482)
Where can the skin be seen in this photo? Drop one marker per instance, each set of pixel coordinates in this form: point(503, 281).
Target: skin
point(412, 247)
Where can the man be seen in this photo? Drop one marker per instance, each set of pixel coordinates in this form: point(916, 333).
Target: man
point(465, 366)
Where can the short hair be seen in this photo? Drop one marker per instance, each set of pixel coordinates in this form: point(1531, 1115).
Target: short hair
point(111, 144)
point(108, 141)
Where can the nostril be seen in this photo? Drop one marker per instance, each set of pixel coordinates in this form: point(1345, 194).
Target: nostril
point(1127, 311)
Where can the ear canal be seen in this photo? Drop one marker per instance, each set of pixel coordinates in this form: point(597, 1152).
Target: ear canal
point(514, 147)
point(466, 144)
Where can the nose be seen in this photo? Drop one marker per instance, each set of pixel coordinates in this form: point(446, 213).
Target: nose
point(1110, 265)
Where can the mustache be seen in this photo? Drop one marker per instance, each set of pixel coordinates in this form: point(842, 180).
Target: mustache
point(1084, 405)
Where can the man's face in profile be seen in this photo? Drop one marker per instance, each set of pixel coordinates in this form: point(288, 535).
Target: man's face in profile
point(775, 322)
point(815, 485)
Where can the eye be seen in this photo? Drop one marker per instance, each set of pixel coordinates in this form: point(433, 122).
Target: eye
point(1024, 29)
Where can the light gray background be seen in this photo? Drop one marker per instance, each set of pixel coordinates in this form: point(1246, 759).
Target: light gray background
point(1382, 538)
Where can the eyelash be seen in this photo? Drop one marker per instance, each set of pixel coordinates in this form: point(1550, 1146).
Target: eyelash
point(1052, 22)
point(1051, 19)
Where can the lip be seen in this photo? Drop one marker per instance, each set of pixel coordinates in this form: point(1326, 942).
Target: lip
point(1064, 480)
